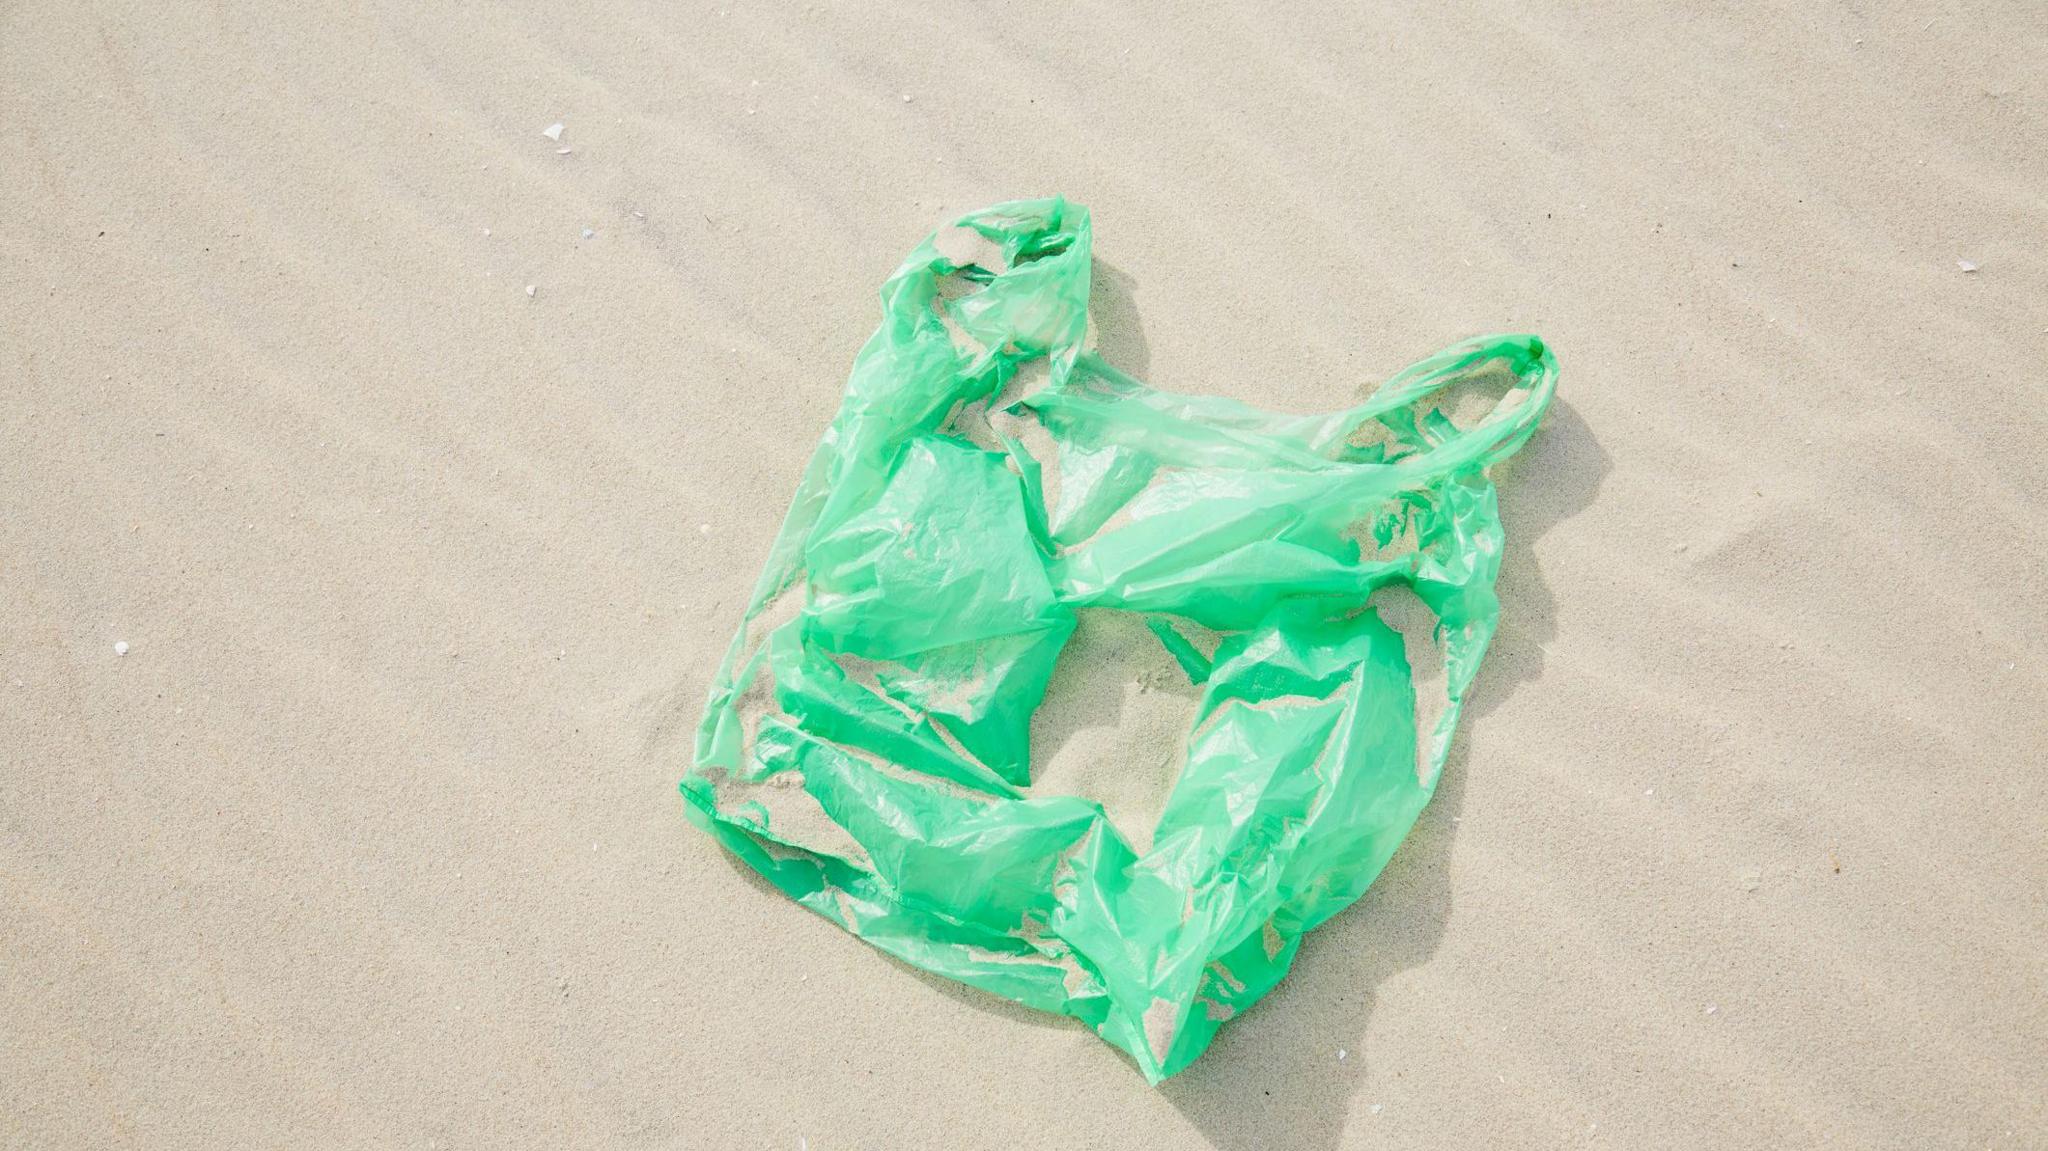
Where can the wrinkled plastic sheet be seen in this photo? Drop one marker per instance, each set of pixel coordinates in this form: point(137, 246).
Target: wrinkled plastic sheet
point(866, 746)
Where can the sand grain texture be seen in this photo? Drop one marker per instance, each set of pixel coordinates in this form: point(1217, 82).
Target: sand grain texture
point(371, 839)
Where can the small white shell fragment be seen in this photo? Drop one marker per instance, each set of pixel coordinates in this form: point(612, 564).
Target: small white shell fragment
point(639, 215)
point(704, 529)
point(1711, 1009)
point(120, 647)
point(1966, 265)
point(529, 291)
point(1378, 1107)
point(1342, 1055)
point(553, 132)
point(906, 97)
point(588, 233)
point(487, 231)
point(563, 151)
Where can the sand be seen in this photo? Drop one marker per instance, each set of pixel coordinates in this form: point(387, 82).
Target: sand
point(372, 839)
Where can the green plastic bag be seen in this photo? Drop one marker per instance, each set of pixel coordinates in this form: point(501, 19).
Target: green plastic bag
point(866, 744)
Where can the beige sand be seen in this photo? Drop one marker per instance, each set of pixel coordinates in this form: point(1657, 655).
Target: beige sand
point(371, 839)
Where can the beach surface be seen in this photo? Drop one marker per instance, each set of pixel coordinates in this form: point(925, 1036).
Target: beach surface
point(382, 478)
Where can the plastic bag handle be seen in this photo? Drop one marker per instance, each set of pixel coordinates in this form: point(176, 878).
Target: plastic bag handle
point(1032, 260)
point(1512, 419)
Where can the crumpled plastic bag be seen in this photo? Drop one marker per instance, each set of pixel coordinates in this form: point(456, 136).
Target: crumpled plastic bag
point(866, 746)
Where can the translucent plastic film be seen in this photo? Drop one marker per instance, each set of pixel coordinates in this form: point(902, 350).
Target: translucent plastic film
point(867, 746)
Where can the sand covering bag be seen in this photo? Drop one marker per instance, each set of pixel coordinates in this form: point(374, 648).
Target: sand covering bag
point(866, 746)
